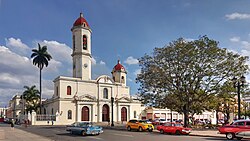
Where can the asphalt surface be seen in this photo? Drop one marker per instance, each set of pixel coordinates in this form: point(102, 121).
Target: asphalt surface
point(58, 133)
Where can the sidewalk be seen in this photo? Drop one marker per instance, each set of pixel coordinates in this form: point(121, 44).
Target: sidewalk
point(7, 134)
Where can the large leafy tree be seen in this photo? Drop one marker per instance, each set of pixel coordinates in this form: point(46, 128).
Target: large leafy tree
point(31, 96)
point(41, 59)
point(191, 71)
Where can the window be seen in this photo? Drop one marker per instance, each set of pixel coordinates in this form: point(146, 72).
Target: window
point(84, 42)
point(68, 90)
point(57, 91)
point(114, 78)
point(134, 114)
point(52, 111)
point(123, 80)
point(248, 123)
point(69, 114)
point(74, 44)
point(241, 124)
point(105, 93)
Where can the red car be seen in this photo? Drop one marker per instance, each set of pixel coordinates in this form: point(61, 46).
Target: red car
point(235, 127)
point(173, 128)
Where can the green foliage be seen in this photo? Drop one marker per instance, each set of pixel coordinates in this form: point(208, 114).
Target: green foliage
point(32, 97)
point(41, 56)
point(188, 73)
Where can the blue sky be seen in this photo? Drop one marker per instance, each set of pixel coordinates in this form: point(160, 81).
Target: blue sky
point(121, 29)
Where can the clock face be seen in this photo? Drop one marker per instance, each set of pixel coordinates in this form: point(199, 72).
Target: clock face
point(85, 65)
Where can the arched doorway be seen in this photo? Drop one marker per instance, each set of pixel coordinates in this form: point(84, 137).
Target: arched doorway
point(124, 114)
point(85, 113)
point(105, 112)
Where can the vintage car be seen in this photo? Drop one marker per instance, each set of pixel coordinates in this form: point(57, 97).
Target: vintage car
point(84, 128)
point(235, 127)
point(173, 128)
point(139, 125)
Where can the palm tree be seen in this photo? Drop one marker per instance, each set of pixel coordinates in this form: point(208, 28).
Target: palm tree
point(41, 59)
point(31, 96)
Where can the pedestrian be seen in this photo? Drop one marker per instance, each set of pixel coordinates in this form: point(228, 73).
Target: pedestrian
point(12, 124)
point(26, 123)
point(52, 122)
point(48, 122)
point(108, 121)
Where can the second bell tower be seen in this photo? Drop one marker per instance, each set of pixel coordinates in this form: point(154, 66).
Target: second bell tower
point(81, 36)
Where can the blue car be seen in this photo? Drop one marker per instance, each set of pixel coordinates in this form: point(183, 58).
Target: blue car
point(84, 128)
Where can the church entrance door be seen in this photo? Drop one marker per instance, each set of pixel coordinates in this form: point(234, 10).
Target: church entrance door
point(124, 114)
point(85, 113)
point(105, 113)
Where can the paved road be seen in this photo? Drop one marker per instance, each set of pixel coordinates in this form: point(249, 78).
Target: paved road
point(59, 134)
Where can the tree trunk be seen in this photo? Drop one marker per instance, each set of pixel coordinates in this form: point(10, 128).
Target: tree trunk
point(186, 119)
point(217, 116)
point(40, 90)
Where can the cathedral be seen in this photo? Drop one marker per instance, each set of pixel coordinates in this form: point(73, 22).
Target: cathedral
point(79, 98)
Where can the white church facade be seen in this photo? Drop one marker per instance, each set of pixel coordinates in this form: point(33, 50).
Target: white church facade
point(79, 98)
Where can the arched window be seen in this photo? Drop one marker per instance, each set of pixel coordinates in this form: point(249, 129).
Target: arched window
point(74, 44)
point(105, 93)
point(57, 91)
point(123, 80)
point(68, 90)
point(69, 114)
point(52, 111)
point(134, 114)
point(84, 42)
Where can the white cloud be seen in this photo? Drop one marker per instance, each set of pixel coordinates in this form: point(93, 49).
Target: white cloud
point(131, 61)
point(93, 61)
point(137, 71)
point(59, 51)
point(102, 63)
point(235, 39)
point(17, 46)
point(237, 15)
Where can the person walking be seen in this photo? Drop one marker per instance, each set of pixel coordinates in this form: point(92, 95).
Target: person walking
point(12, 124)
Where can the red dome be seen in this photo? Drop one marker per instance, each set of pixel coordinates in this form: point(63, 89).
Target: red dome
point(81, 21)
point(118, 67)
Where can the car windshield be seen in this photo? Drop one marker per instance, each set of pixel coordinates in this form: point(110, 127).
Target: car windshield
point(142, 121)
point(178, 124)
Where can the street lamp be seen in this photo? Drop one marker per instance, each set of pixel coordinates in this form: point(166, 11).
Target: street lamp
point(238, 83)
point(112, 112)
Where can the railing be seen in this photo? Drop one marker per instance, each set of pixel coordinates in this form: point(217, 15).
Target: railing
point(45, 117)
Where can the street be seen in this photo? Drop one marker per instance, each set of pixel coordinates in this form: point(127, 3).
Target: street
point(58, 133)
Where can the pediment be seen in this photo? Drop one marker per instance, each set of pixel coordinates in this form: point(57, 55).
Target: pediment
point(86, 97)
point(105, 79)
point(124, 99)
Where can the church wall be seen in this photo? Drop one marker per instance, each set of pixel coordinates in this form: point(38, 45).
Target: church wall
point(65, 106)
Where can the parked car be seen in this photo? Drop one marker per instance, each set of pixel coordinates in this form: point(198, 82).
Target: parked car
point(139, 125)
point(84, 128)
point(173, 128)
point(235, 127)
point(242, 134)
point(159, 121)
point(147, 121)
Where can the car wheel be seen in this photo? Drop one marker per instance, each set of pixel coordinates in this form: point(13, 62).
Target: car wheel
point(229, 136)
point(162, 131)
point(177, 132)
point(83, 133)
point(129, 128)
point(140, 129)
point(239, 138)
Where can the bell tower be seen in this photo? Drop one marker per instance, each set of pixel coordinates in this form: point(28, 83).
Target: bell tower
point(119, 73)
point(81, 45)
